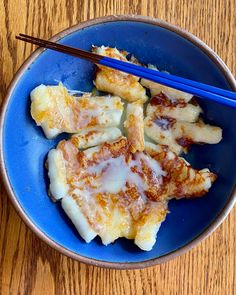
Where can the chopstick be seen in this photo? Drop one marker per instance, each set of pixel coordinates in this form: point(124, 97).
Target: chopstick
point(209, 92)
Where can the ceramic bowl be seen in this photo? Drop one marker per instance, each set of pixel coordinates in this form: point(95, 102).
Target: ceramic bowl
point(24, 147)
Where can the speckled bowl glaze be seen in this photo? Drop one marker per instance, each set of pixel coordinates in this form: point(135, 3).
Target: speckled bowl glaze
point(24, 147)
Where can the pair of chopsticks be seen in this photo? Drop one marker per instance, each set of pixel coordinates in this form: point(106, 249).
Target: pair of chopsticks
point(209, 92)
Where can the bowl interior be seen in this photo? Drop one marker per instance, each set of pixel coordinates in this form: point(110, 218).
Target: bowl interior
point(25, 147)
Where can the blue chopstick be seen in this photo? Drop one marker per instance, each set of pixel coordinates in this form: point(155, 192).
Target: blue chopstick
point(219, 95)
point(171, 77)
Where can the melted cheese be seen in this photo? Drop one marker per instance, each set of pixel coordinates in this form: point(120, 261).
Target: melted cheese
point(114, 174)
point(111, 174)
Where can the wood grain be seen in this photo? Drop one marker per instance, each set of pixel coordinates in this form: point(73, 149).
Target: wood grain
point(27, 265)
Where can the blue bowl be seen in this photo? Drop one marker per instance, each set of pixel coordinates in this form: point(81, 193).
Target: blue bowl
point(24, 146)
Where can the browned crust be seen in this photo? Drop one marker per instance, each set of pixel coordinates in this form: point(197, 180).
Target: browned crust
point(126, 265)
point(178, 173)
point(162, 100)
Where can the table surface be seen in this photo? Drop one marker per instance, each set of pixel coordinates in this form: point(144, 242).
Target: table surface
point(27, 265)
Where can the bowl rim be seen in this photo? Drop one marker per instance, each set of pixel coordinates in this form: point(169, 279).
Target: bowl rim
point(27, 220)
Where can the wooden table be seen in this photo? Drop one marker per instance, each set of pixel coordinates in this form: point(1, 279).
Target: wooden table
point(27, 265)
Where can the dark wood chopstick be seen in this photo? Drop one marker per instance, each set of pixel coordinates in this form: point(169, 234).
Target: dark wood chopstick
point(93, 57)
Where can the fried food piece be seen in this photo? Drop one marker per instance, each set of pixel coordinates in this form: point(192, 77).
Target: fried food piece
point(134, 126)
point(181, 180)
point(110, 192)
point(179, 136)
point(177, 124)
point(161, 105)
point(160, 131)
point(117, 82)
point(103, 193)
point(95, 136)
point(56, 111)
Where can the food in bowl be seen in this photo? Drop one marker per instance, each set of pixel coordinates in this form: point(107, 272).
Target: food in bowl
point(112, 182)
point(134, 126)
point(176, 123)
point(118, 83)
point(56, 111)
point(111, 192)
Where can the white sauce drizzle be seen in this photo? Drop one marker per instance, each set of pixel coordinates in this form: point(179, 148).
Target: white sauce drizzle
point(112, 175)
